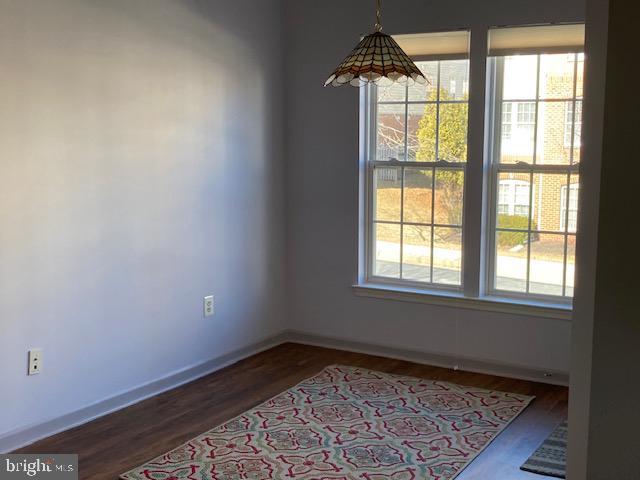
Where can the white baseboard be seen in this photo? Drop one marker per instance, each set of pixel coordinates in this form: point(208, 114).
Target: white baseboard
point(437, 360)
point(24, 436)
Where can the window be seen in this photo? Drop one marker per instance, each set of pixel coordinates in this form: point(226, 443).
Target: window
point(569, 217)
point(513, 197)
point(417, 158)
point(418, 177)
point(507, 120)
point(572, 125)
point(531, 244)
point(517, 130)
point(526, 115)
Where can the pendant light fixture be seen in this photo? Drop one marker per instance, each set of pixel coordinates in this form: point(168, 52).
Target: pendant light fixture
point(376, 59)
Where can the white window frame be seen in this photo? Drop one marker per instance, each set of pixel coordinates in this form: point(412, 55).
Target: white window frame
point(568, 126)
point(478, 217)
point(507, 121)
point(493, 107)
point(525, 116)
point(369, 108)
point(513, 185)
point(571, 135)
point(566, 202)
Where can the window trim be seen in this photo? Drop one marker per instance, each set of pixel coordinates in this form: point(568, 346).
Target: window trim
point(530, 308)
point(476, 269)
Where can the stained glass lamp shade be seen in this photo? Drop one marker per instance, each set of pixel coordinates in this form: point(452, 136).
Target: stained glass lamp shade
point(376, 59)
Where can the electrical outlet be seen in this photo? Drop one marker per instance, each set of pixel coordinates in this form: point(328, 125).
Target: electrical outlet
point(35, 361)
point(208, 306)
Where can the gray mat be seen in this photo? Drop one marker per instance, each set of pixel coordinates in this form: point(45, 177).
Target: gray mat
point(551, 457)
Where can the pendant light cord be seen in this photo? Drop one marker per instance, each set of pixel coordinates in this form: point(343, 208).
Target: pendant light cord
point(378, 16)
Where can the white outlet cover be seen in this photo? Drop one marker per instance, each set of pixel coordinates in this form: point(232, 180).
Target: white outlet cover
point(208, 306)
point(35, 361)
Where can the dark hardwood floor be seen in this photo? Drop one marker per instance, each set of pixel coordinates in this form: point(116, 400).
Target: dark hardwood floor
point(117, 442)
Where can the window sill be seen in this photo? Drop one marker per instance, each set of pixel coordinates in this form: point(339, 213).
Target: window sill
point(557, 311)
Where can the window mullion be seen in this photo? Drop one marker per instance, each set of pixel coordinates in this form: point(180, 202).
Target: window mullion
point(531, 175)
point(565, 230)
point(433, 175)
point(406, 123)
point(474, 177)
point(433, 221)
point(437, 139)
point(401, 170)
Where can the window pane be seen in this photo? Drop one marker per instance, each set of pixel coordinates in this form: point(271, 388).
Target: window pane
point(580, 78)
point(421, 93)
point(577, 133)
point(390, 132)
point(511, 261)
point(425, 124)
point(418, 186)
point(546, 265)
point(518, 145)
point(556, 75)
point(574, 199)
point(447, 255)
point(519, 77)
point(387, 250)
point(422, 132)
point(549, 200)
point(507, 121)
point(571, 265)
point(538, 207)
point(454, 80)
point(416, 253)
point(387, 190)
point(513, 200)
point(569, 219)
point(395, 92)
point(537, 122)
point(552, 147)
point(452, 133)
point(449, 190)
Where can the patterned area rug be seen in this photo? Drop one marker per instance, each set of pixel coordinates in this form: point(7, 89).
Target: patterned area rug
point(347, 423)
point(551, 457)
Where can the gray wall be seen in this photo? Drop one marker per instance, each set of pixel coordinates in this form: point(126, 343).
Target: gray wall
point(322, 191)
point(605, 388)
point(586, 253)
point(141, 168)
